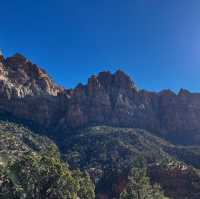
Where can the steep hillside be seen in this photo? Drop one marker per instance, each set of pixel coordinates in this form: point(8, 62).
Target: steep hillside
point(30, 168)
point(109, 153)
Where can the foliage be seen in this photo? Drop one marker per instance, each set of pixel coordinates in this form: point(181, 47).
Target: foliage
point(139, 187)
point(40, 177)
point(86, 187)
point(30, 165)
point(31, 168)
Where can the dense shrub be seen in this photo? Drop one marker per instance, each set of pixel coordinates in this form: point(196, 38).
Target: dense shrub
point(39, 177)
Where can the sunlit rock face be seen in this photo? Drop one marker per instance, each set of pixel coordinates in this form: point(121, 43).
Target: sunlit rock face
point(27, 92)
point(20, 78)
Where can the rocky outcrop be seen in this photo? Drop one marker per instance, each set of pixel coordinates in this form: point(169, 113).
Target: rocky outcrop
point(109, 99)
point(176, 181)
point(20, 78)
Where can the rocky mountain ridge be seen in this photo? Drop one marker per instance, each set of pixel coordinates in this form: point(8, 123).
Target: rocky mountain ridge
point(107, 99)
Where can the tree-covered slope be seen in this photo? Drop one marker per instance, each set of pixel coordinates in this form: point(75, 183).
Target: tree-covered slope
point(31, 168)
point(109, 154)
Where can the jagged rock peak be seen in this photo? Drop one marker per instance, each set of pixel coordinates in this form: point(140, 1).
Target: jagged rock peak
point(107, 79)
point(167, 92)
point(21, 78)
point(124, 79)
point(184, 92)
point(17, 58)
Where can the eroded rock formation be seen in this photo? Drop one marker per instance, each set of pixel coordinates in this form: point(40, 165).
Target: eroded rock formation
point(111, 99)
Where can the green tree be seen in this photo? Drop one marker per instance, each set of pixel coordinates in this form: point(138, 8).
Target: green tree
point(86, 187)
point(139, 187)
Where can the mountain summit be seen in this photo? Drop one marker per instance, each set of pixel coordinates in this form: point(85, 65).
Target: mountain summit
point(19, 78)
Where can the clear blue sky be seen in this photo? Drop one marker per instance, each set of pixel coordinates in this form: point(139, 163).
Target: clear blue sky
point(156, 42)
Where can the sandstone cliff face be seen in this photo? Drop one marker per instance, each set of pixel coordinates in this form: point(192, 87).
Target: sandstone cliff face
point(113, 99)
point(28, 93)
point(20, 78)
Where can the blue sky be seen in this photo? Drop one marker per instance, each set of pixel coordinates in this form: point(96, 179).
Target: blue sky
point(156, 42)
